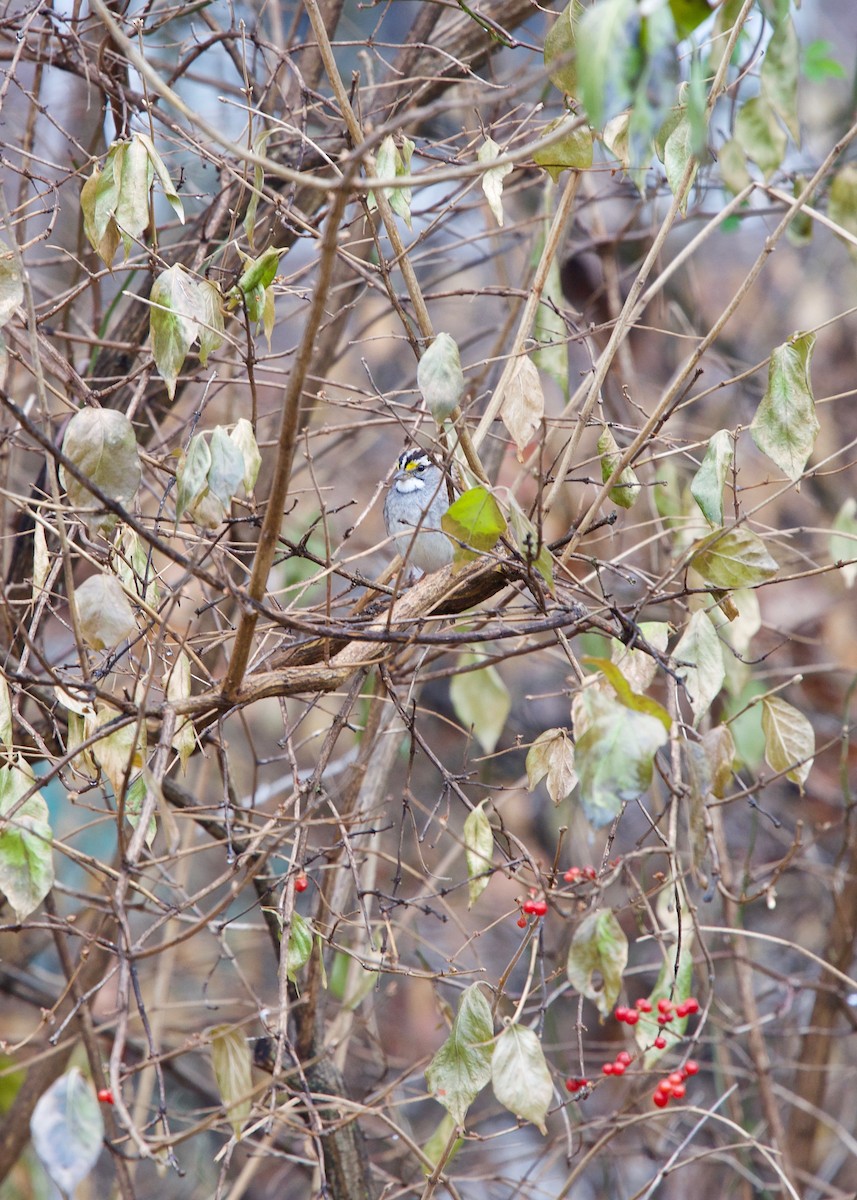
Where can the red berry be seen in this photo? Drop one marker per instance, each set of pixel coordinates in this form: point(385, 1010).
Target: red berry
point(661, 1043)
point(622, 1013)
point(632, 1017)
point(619, 1068)
point(572, 1085)
point(664, 1005)
point(540, 907)
point(678, 1091)
point(692, 1004)
point(607, 1068)
point(301, 883)
point(590, 872)
point(666, 1087)
point(660, 1099)
point(572, 874)
point(676, 1078)
point(623, 1057)
point(681, 1010)
point(691, 1067)
point(105, 1096)
point(529, 906)
point(644, 1005)
point(521, 922)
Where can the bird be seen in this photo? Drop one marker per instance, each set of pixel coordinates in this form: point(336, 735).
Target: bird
point(416, 500)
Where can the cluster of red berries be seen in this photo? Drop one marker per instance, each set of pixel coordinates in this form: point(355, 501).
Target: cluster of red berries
point(671, 1087)
point(667, 1010)
point(575, 1085)
point(619, 1066)
point(574, 873)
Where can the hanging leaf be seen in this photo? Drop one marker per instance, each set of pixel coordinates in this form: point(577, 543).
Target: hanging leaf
point(26, 855)
point(462, 1066)
point(440, 378)
point(173, 324)
point(638, 666)
point(520, 1076)
point(625, 693)
point(614, 755)
point(434, 1148)
point(719, 746)
point(843, 541)
point(98, 199)
point(67, 1130)
point(678, 153)
point(733, 558)
point(785, 425)
point(6, 719)
point(789, 739)
point(104, 615)
point(131, 213)
point(523, 405)
point(550, 329)
point(492, 179)
point(232, 1064)
point(607, 68)
point(475, 522)
point(572, 152)
point(699, 662)
point(245, 439)
point(170, 193)
point(102, 445)
point(481, 701)
point(842, 203)
point(780, 72)
point(300, 945)
point(708, 483)
point(552, 755)
point(760, 135)
point(478, 852)
point(258, 180)
point(192, 474)
point(597, 959)
point(11, 283)
point(559, 52)
point(179, 688)
point(390, 162)
point(530, 546)
point(627, 487)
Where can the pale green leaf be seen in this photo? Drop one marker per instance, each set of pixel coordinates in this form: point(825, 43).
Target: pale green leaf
point(6, 726)
point(678, 153)
point(760, 134)
point(26, 857)
point(67, 1131)
point(173, 322)
point(789, 739)
point(779, 76)
point(708, 483)
point(627, 487)
point(552, 755)
point(462, 1066)
point(597, 959)
point(842, 203)
point(639, 667)
point(530, 546)
point(559, 51)
point(625, 693)
point(226, 472)
point(232, 1064)
point(492, 179)
point(699, 662)
point(481, 701)
point(11, 283)
point(475, 522)
point(614, 755)
point(478, 852)
point(572, 152)
point(719, 746)
point(604, 57)
point(245, 439)
point(733, 558)
point(440, 378)
point(843, 540)
point(523, 405)
point(132, 206)
point(179, 688)
point(102, 444)
point(172, 196)
point(104, 615)
point(299, 947)
point(674, 982)
point(785, 425)
point(520, 1077)
point(192, 474)
point(437, 1144)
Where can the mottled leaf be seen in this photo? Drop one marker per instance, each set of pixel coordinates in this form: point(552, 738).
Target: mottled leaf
point(785, 425)
point(102, 444)
point(481, 701)
point(597, 959)
point(520, 1077)
point(843, 540)
point(708, 483)
point(626, 489)
point(232, 1063)
point(462, 1066)
point(789, 739)
point(26, 856)
point(699, 662)
point(104, 615)
point(67, 1129)
point(440, 378)
point(478, 852)
point(552, 755)
point(733, 558)
point(614, 755)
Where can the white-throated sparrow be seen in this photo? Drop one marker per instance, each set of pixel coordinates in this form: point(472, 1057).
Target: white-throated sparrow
point(415, 503)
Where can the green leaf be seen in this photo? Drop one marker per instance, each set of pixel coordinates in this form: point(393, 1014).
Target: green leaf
point(26, 857)
point(172, 196)
point(226, 473)
point(300, 945)
point(478, 852)
point(733, 558)
point(232, 1064)
point(390, 162)
point(625, 694)
point(462, 1066)
point(192, 474)
point(559, 53)
point(104, 615)
point(800, 227)
point(492, 179)
point(11, 283)
point(520, 1077)
point(438, 1142)
point(102, 444)
point(175, 305)
point(6, 719)
point(779, 75)
point(699, 661)
point(605, 59)
point(678, 153)
point(67, 1130)
point(208, 309)
point(638, 667)
point(258, 180)
point(674, 981)
point(785, 425)
point(819, 63)
point(761, 135)
point(627, 487)
point(135, 797)
point(121, 753)
point(573, 152)
point(440, 378)
point(719, 746)
point(550, 329)
point(733, 167)
point(475, 521)
point(98, 199)
point(843, 541)
point(245, 439)
point(842, 202)
point(614, 755)
point(689, 15)
point(131, 213)
point(789, 739)
point(481, 701)
point(597, 959)
point(530, 546)
point(552, 755)
point(708, 483)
